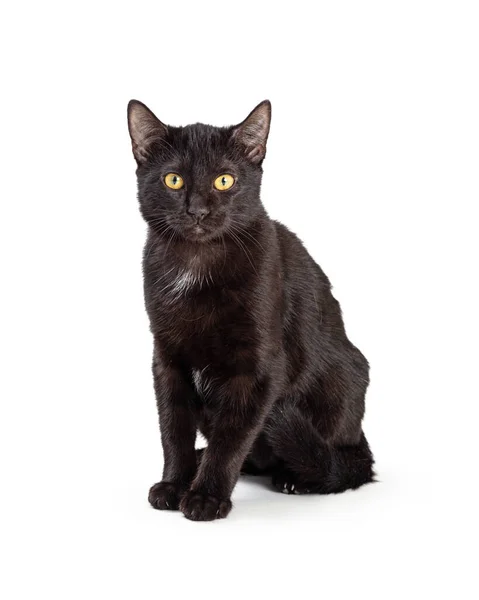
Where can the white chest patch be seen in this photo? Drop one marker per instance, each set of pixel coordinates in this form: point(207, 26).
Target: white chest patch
point(185, 281)
point(202, 384)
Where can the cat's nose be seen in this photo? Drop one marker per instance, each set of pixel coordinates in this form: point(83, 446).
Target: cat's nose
point(198, 213)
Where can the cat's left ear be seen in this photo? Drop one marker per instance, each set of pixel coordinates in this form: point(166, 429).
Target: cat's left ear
point(251, 135)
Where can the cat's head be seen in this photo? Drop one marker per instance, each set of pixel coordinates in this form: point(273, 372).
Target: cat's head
point(198, 182)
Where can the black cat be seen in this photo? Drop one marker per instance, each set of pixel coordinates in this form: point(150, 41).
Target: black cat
point(249, 343)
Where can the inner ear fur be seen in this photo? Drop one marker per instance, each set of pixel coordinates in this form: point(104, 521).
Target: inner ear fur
point(252, 133)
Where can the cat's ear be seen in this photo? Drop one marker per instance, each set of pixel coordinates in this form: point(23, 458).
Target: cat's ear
point(251, 135)
point(145, 129)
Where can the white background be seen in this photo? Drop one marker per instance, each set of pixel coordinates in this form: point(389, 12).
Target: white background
point(372, 160)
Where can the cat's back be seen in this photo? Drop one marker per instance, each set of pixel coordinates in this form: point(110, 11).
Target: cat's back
point(299, 268)
point(310, 312)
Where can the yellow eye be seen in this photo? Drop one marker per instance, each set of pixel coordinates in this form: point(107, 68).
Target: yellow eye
point(224, 182)
point(174, 181)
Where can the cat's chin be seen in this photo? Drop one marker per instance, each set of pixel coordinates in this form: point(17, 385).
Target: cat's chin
point(198, 231)
point(200, 234)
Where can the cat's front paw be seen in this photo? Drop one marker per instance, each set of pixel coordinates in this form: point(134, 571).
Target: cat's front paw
point(166, 496)
point(202, 507)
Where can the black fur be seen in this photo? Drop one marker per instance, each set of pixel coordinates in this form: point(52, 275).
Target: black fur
point(249, 343)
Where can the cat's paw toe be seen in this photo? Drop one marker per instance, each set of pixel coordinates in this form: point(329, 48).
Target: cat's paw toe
point(202, 507)
point(286, 483)
point(165, 496)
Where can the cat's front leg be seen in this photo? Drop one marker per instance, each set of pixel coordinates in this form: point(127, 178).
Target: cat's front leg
point(243, 406)
point(178, 434)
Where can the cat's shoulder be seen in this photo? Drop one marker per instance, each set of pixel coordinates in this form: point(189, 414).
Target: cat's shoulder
point(288, 240)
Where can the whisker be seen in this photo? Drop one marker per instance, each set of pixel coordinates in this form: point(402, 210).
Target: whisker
point(242, 247)
point(242, 231)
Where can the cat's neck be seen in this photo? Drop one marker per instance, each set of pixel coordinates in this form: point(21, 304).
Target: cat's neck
point(235, 254)
point(184, 254)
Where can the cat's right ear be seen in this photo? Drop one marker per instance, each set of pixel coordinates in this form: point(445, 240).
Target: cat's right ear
point(145, 129)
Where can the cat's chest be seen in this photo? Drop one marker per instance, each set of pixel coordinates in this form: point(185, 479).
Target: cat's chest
point(199, 317)
point(184, 283)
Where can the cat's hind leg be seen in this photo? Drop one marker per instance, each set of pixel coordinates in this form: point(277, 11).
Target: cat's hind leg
point(287, 482)
point(311, 464)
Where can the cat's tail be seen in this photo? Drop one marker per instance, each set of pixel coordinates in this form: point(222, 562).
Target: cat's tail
point(321, 467)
